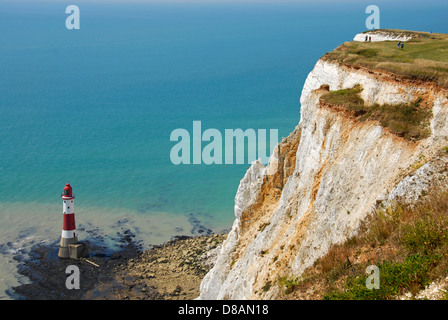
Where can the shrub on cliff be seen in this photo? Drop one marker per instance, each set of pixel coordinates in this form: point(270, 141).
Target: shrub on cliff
point(408, 120)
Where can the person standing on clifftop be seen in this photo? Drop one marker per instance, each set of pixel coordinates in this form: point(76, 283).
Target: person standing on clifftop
point(399, 44)
point(402, 45)
point(366, 38)
point(370, 39)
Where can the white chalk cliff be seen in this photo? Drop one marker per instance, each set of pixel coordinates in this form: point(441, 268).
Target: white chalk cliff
point(380, 36)
point(323, 180)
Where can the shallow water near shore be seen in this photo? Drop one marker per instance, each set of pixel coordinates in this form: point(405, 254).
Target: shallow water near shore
point(102, 227)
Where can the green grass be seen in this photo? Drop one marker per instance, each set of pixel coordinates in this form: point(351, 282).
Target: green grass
point(424, 58)
point(411, 275)
point(348, 98)
point(425, 235)
point(420, 234)
point(409, 120)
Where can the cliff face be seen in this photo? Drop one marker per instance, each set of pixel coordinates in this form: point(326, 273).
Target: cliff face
point(322, 182)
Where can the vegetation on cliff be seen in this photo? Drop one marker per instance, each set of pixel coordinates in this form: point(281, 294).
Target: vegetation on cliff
point(408, 243)
point(424, 57)
point(289, 240)
point(409, 120)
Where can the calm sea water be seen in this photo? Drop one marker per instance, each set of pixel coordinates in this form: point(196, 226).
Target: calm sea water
point(95, 107)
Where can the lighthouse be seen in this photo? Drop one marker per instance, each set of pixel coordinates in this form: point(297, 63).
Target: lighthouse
point(69, 246)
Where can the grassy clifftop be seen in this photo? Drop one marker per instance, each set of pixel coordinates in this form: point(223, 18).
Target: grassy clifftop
point(424, 56)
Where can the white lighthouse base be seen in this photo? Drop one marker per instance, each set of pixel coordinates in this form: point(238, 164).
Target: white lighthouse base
point(70, 248)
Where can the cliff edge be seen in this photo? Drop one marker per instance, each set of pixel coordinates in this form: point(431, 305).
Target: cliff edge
point(345, 158)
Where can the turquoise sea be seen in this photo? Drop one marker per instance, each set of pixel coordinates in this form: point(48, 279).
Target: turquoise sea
point(96, 106)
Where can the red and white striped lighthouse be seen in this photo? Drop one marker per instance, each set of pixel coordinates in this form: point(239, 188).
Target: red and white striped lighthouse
point(68, 236)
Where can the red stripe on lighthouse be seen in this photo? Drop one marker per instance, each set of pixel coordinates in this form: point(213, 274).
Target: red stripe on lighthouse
point(68, 222)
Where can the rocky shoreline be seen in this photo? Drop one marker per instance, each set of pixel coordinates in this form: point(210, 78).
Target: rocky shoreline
point(171, 271)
